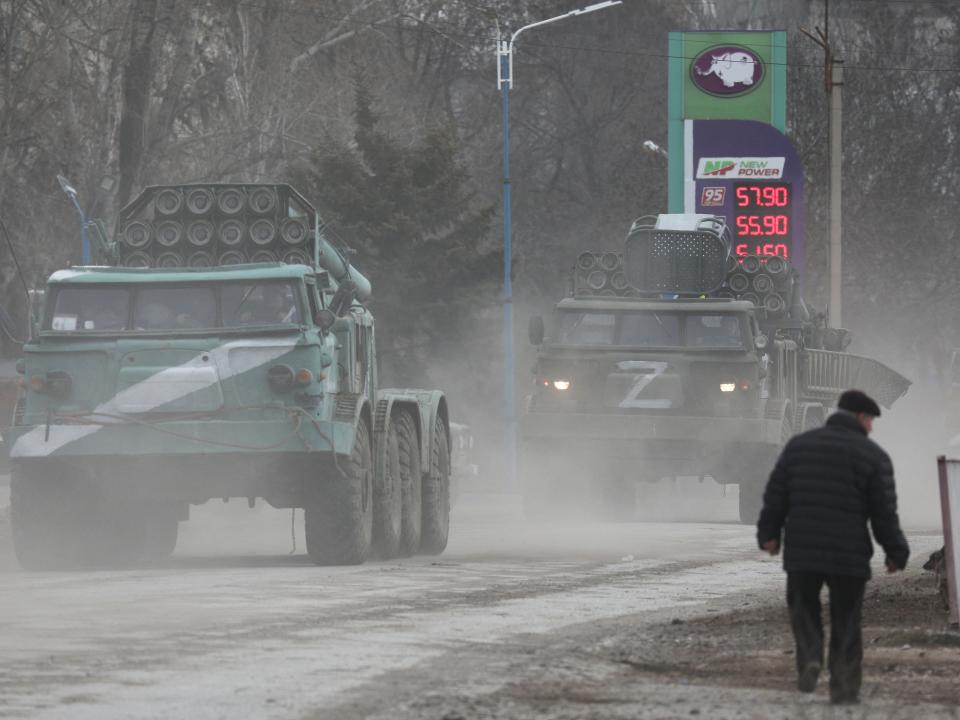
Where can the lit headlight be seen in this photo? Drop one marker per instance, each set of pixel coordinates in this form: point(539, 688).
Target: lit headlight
point(561, 384)
point(728, 387)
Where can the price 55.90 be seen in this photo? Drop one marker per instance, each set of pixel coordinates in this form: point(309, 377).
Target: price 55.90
point(762, 225)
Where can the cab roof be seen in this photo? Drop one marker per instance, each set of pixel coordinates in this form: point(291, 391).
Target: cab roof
point(613, 304)
point(253, 271)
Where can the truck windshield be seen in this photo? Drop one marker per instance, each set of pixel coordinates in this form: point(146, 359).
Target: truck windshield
point(650, 329)
point(264, 303)
point(91, 308)
point(713, 331)
point(174, 307)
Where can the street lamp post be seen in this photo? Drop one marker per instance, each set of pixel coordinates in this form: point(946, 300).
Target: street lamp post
point(504, 84)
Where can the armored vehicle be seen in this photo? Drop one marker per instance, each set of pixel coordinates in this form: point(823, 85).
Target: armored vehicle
point(181, 370)
point(676, 358)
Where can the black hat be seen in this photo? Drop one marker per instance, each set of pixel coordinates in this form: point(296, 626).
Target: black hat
point(857, 401)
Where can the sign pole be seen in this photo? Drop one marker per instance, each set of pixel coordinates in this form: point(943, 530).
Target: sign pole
point(836, 179)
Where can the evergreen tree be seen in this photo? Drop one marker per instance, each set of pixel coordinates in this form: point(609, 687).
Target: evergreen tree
point(418, 231)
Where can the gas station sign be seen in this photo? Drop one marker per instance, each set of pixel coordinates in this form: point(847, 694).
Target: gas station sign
point(748, 172)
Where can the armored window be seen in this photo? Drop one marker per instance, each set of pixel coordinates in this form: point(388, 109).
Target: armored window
point(714, 331)
point(175, 308)
point(587, 328)
point(650, 329)
point(97, 309)
point(263, 303)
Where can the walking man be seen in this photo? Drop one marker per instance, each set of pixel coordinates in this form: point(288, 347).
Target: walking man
point(826, 485)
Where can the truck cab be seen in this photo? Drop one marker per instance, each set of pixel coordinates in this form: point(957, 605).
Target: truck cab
point(627, 390)
point(627, 356)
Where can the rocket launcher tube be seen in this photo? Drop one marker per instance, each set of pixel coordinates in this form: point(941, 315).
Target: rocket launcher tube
point(333, 261)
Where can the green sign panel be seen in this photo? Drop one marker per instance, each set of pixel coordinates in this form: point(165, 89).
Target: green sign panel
point(721, 76)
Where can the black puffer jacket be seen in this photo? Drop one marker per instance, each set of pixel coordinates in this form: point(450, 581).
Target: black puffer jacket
point(824, 488)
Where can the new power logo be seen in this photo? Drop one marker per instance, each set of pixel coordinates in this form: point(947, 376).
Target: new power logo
point(748, 167)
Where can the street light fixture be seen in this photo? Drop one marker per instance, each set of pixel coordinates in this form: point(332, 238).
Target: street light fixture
point(84, 238)
point(505, 84)
point(651, 147)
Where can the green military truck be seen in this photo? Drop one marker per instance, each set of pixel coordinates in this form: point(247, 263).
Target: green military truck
point(674, 359)
point(181, 370)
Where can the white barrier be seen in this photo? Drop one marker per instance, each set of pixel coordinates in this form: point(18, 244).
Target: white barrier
point(949, 471)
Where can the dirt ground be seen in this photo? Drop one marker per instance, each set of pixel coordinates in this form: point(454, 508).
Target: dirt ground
point(911, 654)
point(469, 637)
point(725, 661)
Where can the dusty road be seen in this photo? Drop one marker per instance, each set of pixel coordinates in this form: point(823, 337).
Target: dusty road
point(514, 621)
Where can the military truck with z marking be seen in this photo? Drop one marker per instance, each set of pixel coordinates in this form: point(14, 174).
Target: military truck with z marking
point(220, 349)
point(678, 358)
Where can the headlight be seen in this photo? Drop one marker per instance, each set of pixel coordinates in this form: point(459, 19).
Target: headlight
point(561, 384)
point(728, 387)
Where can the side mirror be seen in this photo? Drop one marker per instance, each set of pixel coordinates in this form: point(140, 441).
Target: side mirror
point(325, 319)
point(535, 330)
point(760, 342)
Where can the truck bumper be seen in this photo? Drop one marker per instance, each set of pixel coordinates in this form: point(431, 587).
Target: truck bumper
point(646, 427)
point(176, 438)
point(648, 446)
point(186, 462)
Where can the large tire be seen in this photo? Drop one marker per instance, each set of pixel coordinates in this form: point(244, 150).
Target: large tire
point(388, 496)
point(60, 522)
point(338, 518)
point(43, 526)
point(753, 487)
point(619, 499)
point(160, 536)
point(543, 485)
point(411, 481)
point(435, 526)
point(751, 502)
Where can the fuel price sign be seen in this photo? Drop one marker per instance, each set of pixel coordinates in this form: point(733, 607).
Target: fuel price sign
point(748, 172)
point(763, 218)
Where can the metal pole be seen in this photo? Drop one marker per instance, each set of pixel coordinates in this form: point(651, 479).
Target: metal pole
point(84, 239)
point(504, 83)
point(509, 410)
point(836, 159)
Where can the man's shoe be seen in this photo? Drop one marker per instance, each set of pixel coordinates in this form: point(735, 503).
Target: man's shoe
point(844, 699)
point(807, 680)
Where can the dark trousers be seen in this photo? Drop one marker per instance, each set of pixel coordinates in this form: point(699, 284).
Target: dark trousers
point(846, 612)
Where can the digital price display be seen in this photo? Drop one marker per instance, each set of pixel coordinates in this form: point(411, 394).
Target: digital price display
point(763, 218)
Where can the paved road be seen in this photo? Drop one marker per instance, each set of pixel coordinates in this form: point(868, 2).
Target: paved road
point(232, 626)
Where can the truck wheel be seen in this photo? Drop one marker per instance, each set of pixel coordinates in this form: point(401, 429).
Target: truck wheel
point(388, 496)
point(435, 527)
point(619, 501)
point(41, 521)
point(59, 522)
point(535, 504)
point(338, 520)
point(411, 482)
point(751, 502)
point(160, 537)
point(540, 485)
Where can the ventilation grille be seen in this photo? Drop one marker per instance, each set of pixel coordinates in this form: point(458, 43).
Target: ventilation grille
point(675, 261)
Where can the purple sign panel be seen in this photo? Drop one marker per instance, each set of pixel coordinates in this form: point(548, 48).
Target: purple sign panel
point(727, 70)
point(749, 172)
